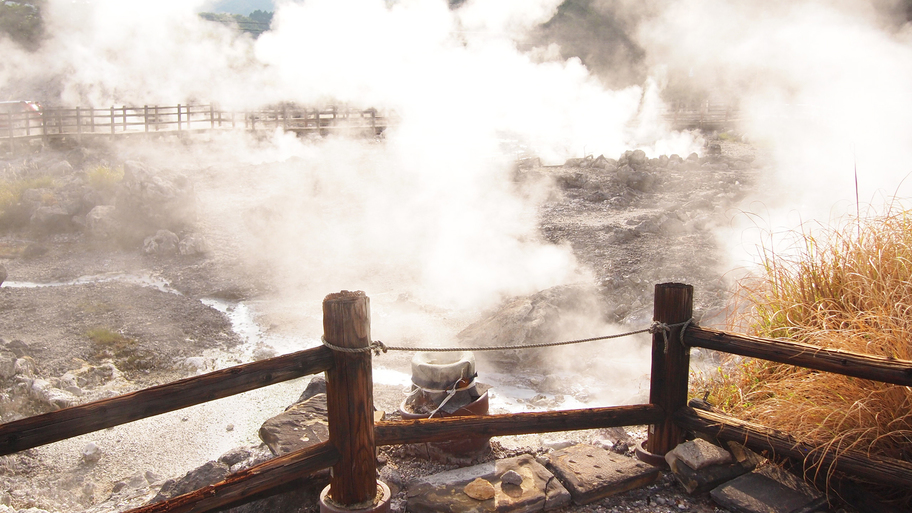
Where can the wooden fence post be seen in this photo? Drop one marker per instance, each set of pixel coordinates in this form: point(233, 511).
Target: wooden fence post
point(349, 398)
point(670, 364)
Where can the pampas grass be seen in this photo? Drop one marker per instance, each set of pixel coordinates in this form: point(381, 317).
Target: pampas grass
point(849, 288)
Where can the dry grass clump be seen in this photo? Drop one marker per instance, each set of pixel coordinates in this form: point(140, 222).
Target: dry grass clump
point(849, 288)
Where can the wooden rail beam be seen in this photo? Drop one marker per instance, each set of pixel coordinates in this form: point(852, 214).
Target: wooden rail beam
point(760, 438)
point(250, 484)
point(78, 420)
point(897, 372)
point(483, 426)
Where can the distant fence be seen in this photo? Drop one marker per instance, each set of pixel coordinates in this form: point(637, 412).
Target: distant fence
point(59, 122)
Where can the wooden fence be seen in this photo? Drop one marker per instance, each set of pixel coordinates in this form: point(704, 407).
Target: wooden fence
point(54, 122)
point(353, 435)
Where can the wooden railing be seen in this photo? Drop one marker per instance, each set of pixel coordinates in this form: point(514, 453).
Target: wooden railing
point(353, 435)
point(57, 122)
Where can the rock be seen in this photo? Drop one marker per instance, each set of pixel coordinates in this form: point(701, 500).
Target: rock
point(538, 491)
point(552, 314)
point(193, 245)
point(591, 473)
point(317, 385)
point(707, 478)
point(302, 425)
point(25, 367)
point(768, 489)
point(61, 168)
point(91, 453)
point(194, 363)
point(3, 274)
point(511, 477)
point(205, 475)
point(699, 453)
point(637, 158)
point(163, 243)
point(639, 180)
point(479, 489)
point(51, 219)
point(102, 223)
point(572, 180)
point(146, 199)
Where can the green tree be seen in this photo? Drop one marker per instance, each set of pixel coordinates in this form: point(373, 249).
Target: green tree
point(261, 16)
point(21, 21)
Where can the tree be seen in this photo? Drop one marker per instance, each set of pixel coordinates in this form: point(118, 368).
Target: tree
point(21, 21)
point(261, 16)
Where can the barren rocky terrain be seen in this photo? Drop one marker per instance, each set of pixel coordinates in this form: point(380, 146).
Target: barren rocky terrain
point(89, 312)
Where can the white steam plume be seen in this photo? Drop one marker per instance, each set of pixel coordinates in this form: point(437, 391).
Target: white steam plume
point(822, 84)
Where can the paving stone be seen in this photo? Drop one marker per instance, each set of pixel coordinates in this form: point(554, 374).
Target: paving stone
point(704, 479)
point(591, 473)
point(699, 453)
point(302, 425)
point(539, 491)
point(768, 489)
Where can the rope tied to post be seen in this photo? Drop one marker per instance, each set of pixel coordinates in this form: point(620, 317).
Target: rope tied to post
point(379, 347)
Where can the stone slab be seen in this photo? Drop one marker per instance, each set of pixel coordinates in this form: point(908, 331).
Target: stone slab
point(302, 425)
point(591, 473)
point(539, 491)
point(737, 460)
point(768, 489)
point(699, 453)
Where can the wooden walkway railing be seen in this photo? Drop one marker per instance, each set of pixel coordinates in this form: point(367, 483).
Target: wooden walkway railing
point(354, 436)
point(57, 122)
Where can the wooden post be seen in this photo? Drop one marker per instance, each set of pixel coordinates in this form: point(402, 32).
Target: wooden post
point(92, 118)
point(178, 117)
point(112, 120)
point(212, 116)
point(146, 117)
point(670, 364)
point(349, 398)
point(124, 118)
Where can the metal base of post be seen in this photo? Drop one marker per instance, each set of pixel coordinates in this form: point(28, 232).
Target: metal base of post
point(382, 506)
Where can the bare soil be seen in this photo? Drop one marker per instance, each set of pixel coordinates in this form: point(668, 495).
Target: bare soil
point(629, 233)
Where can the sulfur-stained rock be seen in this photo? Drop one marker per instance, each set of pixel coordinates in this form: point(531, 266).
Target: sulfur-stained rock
point(479, 489)
point(447, 491)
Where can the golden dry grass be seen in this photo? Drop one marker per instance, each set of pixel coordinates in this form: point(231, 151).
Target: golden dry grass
point(848, 288)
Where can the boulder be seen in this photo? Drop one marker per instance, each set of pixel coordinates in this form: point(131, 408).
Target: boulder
point(205, 475)
point(552, 314)
point(302, 425)
point(102, 222)
point(3, 274)
point(163, 243)
point(192, 245)
point(51, 219)
point(147, 200)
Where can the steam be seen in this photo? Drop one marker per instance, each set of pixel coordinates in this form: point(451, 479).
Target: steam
point(823, 86)
point(432, 211)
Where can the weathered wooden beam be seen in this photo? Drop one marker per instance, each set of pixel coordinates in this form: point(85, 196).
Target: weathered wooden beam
point(482, 426)
point(897, 372)
point(761, 438)
point(250, 484)
point(78, 420)
point(350, 398)
point(670, 364)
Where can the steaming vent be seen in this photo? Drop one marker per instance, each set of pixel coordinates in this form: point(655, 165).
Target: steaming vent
point(445, 385)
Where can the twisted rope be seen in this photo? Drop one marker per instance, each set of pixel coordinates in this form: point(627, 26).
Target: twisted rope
point(379, 347)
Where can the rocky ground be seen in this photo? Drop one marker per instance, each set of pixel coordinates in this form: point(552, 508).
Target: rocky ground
point(90, 312)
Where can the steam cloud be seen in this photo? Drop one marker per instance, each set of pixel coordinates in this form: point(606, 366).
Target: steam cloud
point(432, 210)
